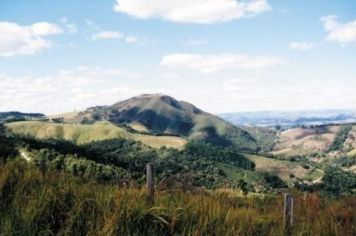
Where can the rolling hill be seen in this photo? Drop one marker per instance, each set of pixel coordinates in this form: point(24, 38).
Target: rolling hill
point(335, 140)
point(19, 116)
point(265, 137)
point(161, 114)
point(287, 171)
point(81, 133)
point(302, 141)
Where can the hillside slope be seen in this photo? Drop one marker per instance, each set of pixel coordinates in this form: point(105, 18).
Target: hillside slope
point(80, 133)
point(265, 137)
point(19, 116)
point(303, 141)
point(160, 114)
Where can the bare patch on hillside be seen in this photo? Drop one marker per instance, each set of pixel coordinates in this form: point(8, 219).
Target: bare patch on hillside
point(283, 169)
point(304, 141)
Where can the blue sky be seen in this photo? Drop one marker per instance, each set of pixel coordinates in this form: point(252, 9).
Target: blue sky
point(223, 56)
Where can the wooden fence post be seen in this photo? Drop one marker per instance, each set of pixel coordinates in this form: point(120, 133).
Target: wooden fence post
point(288, 213)
point(150, 183)
point(43, 167)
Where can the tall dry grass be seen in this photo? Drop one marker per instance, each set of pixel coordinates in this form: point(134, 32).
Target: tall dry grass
point(58, 204)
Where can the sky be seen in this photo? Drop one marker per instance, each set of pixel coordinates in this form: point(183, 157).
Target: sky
point(221, 55)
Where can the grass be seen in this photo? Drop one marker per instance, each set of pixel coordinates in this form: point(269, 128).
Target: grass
point(57, 204)
point(235, 173)
point(80, 133)
point(352, 153)
point(282, 169)
point(138, 127)
point(313, 175)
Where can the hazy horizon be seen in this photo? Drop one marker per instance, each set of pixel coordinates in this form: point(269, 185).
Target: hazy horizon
point(296, 111)
point(222, 56)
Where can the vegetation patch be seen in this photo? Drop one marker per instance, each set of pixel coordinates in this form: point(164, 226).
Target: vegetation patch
point(81, 133)
point(340, 138)
point(58, 204)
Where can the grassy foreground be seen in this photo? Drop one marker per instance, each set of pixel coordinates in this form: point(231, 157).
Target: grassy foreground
point(58, 204)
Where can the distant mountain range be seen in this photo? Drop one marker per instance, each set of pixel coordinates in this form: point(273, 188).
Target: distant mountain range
point(19, 116)
point(290, 119)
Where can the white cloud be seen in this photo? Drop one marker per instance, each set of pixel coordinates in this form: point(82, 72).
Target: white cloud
point(18, 40)
point(194, 42)
point(45, 28)
point(131, 39)
point(68, 90)
point(302, 46)
point(107, 35)
point(329, 22)
point(342, 33)
point(218, 62)
point(114, 35)
point(192, 11)
point(100, 72)
point(70, 27)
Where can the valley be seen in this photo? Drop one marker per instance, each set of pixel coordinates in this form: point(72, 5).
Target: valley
point(194, 153)
point(177, 118)
point(294, 155)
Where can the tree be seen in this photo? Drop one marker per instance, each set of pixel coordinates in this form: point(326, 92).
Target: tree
point(336, 181)
point(243, 185)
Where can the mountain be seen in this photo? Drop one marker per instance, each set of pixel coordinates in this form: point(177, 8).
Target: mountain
point(161, 114)
point(291, 119)
point(19, 116)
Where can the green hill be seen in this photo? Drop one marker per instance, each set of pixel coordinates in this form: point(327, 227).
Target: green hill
point(85, 133)
point(19, 116)
point(265, 137)
point(160, 114)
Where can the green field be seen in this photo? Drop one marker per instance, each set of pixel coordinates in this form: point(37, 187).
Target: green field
point(313, 175)
point(81, 133)
point(282, 169)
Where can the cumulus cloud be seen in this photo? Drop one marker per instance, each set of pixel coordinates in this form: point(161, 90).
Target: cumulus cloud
point(68, 89)
point(302, 46)
point(192, 11)
point(218, 62)
point(16, 39)
point(338, 32)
